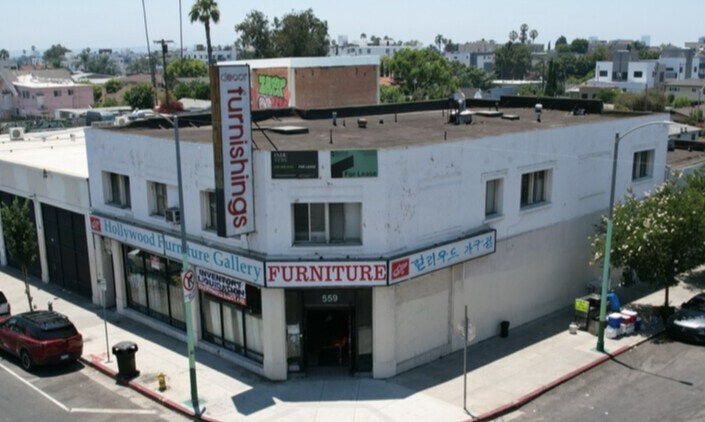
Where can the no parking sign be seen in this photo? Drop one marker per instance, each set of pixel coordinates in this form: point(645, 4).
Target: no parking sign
point(188, 282)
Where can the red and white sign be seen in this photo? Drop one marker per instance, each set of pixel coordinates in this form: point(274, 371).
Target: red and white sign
point(326, 274)
point(439, 257)
point(236, 139)
point(189, 285)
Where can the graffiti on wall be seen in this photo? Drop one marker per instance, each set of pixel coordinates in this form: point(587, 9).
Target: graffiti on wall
point(272, 92)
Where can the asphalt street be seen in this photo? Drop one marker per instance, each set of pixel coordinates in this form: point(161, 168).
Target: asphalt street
point(71, 392)
point(661, 380)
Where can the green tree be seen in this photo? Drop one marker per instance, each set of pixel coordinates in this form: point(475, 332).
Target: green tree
point(551, 89)
point(607, 95)
point(54, 55)
point(300, 35)
point(422, 74)
point(205, 11)
point(101, 64)
point(140, 65)
point(112, 86)
point(681, 102)
point(512, 61)
point(523, 33)
point(193, 89)
point(651, 100)
point(255, 33)
point(297, 34)
point(470, 76)
point(533, 34)
point(187, 68)
point(140, 96)
point(97, 93)
point(579, 45)
point(4, 54)
point(391, 94)
point(20, 238)
point(661, 235)
point(110, 102)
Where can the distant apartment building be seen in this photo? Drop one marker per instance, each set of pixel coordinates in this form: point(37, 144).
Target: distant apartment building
point(40, 93)
point(220, 54)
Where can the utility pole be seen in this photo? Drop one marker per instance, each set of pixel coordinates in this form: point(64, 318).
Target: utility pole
point(164, 43)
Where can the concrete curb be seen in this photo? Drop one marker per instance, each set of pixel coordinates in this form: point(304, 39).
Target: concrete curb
point(521, 401)
point(96, 363)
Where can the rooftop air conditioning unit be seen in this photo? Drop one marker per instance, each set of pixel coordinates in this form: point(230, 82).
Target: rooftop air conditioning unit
point(121, 121)
point(16, 133)
point(172, 215)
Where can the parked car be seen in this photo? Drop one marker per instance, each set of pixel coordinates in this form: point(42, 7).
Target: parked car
point(4, 305)
point(41, 338)
point(688, 323)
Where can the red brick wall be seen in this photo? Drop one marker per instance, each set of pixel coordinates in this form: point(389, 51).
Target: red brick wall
point(270, 88)
point(321, 87)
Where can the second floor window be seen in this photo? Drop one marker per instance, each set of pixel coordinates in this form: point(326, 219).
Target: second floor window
point(493, 198)
point(534, 188)
point(157, 198)
point(643, 164)
point(208, 211)
point(321, 223)
point(117, 190)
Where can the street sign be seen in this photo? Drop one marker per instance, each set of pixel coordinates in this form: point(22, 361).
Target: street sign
point(188, 283)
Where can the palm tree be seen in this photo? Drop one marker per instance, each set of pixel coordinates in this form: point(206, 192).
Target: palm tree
point(533, 34)
point(4, 54)
point(206, 11)
point(513, 36)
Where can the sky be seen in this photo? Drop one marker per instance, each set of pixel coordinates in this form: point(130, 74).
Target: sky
point(77, 24)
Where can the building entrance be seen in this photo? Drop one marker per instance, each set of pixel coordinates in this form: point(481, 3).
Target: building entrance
point(329, 331)
point(329, 337)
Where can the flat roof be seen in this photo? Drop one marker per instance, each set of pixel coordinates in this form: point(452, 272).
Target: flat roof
point(386, 130)
point(56, 151)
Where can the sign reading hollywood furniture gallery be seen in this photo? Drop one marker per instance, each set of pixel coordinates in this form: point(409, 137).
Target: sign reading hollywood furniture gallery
point(224, 262)
point(232, 149)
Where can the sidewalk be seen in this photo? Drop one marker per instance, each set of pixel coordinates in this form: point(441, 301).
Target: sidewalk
point(503, 372)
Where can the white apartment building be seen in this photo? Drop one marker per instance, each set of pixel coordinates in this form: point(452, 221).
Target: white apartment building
point(368, 243)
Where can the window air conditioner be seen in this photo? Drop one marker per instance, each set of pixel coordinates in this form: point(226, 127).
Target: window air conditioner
point(172, 215)
point(16, 133)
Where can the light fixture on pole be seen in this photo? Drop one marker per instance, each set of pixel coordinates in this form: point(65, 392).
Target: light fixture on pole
point(608, 235)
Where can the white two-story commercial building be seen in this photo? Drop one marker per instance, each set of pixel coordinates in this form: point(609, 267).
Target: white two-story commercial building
point(370, 237)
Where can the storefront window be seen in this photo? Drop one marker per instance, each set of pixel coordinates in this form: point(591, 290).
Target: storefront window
point(154, 286)
point(233, 326)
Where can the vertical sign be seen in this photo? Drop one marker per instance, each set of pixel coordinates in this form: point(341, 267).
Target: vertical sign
point(188, 283)
point(233, 151)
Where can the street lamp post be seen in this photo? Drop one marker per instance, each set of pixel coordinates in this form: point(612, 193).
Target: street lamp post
point(608, 234)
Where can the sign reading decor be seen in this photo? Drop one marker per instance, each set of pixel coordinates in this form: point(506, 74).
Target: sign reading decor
point(294, 164)
point(434, 259)
point(221, 286)
point(236, 144)
point(357, 163)
point(301, 274)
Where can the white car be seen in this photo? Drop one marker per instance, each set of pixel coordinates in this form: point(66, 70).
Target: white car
point(4, 305)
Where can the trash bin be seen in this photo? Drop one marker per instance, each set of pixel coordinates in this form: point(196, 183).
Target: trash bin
point(125, 354)
point(504, 329)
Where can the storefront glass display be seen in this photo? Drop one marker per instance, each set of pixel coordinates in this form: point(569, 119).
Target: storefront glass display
point(234, 326)
point(154, 287)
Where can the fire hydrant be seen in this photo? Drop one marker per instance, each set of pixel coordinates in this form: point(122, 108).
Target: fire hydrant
point(162, 381)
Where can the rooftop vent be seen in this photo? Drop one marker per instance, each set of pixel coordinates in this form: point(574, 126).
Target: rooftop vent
point(289, 130)
point(456, 106)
